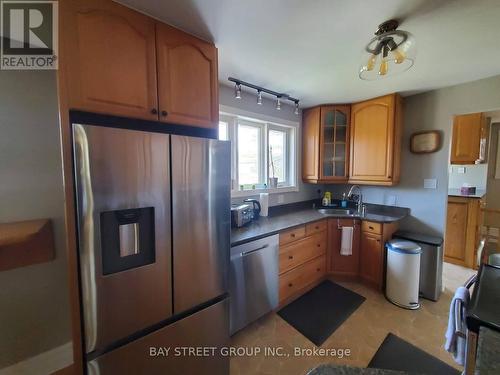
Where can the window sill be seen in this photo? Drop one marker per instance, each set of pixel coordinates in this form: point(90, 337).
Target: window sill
point(249, 193)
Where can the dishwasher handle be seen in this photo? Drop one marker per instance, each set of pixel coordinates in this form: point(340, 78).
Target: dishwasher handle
point(245, 253)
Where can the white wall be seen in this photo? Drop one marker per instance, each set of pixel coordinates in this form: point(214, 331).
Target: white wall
point(433, 110)
point(475, 175)
point(248, 103)
point(34, 307)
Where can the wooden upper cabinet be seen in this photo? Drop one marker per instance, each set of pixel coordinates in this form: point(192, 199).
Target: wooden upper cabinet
point(325, 144)
point(310, 144)
point(109, 59)
point(376, 141)
point(466, 138)
point(187, 78)
point(334, 143)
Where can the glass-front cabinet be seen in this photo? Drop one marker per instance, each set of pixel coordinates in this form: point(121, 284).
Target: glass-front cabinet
point(334, 143)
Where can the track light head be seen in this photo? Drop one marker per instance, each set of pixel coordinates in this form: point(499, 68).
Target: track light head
point(237, 91)
point(278, 103)
point(296, 107)
point(259, 97)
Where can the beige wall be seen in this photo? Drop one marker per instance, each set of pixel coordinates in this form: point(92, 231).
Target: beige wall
point(34, 308)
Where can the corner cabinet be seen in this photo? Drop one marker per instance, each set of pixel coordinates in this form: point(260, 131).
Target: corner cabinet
point(326, 144)
point(120, 62)
point(376, 127)
point(468, 142)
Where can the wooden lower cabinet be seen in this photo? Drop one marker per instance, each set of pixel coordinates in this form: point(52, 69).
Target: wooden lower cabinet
point(462, 223)
point(343, 265)
point(296, 280)
point(302, 259)
point(371, 263)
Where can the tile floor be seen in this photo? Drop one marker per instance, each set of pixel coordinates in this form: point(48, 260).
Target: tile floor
point(362, 332)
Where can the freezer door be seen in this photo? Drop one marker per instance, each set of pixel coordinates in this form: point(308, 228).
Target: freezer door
point(200, 219)
point(123, 205)
point(166, 351)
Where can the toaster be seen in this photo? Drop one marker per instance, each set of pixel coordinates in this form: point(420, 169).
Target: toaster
point(241, 214)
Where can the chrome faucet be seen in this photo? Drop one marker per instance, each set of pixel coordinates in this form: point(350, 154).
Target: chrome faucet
point(359, 195)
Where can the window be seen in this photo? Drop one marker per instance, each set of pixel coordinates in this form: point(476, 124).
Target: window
point(260, 151)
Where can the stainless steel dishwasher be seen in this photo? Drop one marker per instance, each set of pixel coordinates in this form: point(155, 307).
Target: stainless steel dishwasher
point(253, 288)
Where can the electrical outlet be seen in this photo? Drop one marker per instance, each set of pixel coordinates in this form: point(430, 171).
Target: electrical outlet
point(430, 183)
point(281, 198)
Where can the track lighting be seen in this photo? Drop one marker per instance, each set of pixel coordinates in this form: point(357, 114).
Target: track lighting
point(259, 97)
point(237, 91)
point(279, 96)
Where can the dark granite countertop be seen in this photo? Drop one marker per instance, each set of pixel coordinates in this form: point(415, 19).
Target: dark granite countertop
point(348, 370)
point(284, 219)
point(488, 352)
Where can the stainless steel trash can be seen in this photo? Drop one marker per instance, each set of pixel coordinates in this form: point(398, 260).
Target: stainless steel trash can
point(403, 273)
point(431, 263)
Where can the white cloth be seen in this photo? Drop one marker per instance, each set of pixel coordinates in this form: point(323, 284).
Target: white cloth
point(346, 242)
point(456, 344)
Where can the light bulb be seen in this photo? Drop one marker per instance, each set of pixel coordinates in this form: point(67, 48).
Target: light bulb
point(384, 67)
point(371, 62)
point(237, 91)
point(399, 56)
point(278, 103)
point(259, 97)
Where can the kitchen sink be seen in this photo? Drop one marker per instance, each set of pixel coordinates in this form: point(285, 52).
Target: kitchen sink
point(337, 211)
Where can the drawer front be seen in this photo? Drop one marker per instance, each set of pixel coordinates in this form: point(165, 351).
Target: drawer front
point(293, 234)
point(315, 227)
point(371, 227)
point(301, 251)
point(298, 278)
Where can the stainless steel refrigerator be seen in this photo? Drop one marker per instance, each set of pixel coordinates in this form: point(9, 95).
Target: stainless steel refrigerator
point(153, 213)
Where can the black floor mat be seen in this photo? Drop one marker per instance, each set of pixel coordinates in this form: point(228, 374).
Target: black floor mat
point(397, 354)
point(319, 312)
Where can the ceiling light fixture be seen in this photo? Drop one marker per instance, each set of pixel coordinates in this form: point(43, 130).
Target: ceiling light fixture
point(237, 91)
point(394, 51)
point(279, 96)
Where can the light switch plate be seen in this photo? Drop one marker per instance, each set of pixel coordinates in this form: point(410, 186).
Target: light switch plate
point(461, 170)
point(430, 183)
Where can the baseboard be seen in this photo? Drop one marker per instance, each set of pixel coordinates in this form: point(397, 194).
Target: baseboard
point(44, 363)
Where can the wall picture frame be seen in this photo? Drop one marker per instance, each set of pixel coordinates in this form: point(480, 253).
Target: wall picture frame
point(425, 142)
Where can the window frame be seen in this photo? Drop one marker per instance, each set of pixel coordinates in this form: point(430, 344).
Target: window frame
point(233, 117)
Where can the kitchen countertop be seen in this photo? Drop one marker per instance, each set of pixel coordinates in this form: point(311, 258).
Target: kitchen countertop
point(348, 370)
point(267, 226)
point(456, 193)
point(488, 352)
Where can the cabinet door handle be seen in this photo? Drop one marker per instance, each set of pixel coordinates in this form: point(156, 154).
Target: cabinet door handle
point(318, 245)
point(316, 227)
point(371, 227)
point(290, 285)
point(290, 257)
point(164, 113)
point(292, 235)
point(154, 111)
point(318, 269)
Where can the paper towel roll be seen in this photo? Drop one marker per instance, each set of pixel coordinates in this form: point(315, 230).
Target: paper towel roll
point(264, 203)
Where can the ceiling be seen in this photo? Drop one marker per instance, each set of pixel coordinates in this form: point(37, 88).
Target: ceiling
point(312, 49)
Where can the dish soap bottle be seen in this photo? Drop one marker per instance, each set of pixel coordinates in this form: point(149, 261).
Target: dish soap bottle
point(343, 203)
point(327, 199)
